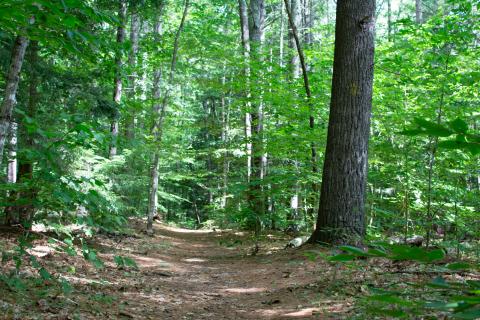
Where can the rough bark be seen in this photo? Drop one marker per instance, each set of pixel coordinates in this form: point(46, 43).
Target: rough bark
point(157, 129)
point(257, 37)
point(117, 91)
point(10, 97)
point(341, 215)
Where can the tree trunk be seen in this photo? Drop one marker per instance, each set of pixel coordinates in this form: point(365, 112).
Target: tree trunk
point(10, 97)
point(308, 93)
point(389, 19)
point(225, 140)
point(21, 209)
point(257, 35)
point(418, 11)
point(341, 215)
point(160, 115)
point(117, 91)
point(132, 78)
point(245, 35)
point(294, 17)
point(12, 154)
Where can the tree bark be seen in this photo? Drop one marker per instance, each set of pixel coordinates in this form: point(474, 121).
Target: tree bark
point(10, 98)
point(132, 78)
point(117, 91)
point(257, 37)
point(160, 115)
point(418, 12)
point(341, 215)
point(389, 19)
point(12, 154)
point(245, 36)
point(21, 209)
point(293, 10)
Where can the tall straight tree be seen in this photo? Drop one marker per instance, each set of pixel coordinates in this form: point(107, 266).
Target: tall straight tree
point(245, 36)
point(21, 208)
point(257, 36)
point(117, 90)
point(10, 98)
point(135, 23)
point(341, 215)
point(160, 114)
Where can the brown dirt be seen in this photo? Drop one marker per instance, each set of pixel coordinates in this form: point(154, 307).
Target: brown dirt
point(183, 274)
point(187, 274)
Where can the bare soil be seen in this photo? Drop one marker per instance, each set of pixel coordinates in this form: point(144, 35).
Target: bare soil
point(187, 274)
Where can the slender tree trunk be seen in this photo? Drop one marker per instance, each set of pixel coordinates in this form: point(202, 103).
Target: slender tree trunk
point(308, 92)
point(257, 37)
point(160, 115)
point(418, 11)
point(341, 215)
point(10, 97)
point(282, 35)
point(389, 19)
point(293, 10)
point(117, 91)
point(12, 154)
point(21, 209)
point(225, 140)
point(245, 35)
point(132, 78)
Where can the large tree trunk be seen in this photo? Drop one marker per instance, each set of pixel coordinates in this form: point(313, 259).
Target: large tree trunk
point(117, 90)
point(257, 36)
point(341, 215)
point(160, 115)
point(10, 97)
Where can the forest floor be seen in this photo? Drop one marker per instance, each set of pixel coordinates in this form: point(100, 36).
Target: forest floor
point(187, 274)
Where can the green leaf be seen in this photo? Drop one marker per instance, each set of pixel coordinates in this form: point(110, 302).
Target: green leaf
point(433, 129)
point(342, 258)
point(45, 274)
point(459, 126)
point(459, 266)
point(391, 299)
point(353, 250)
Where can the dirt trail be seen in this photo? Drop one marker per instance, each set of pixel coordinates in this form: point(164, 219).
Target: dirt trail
point(211, 275)
point(185, 274)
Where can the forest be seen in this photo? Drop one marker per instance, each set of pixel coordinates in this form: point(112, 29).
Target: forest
point(240, 159)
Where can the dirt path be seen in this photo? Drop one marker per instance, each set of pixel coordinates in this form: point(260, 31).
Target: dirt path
point(211, 275)
point(185, 274)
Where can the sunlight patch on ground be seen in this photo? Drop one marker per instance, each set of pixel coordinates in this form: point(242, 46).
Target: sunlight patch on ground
point(302, 313)
point(41, 251)
point(245, 290)
point(146, 262)
point(182, 230)
point(85, 281)
point(194, 260)
point(289, 313)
